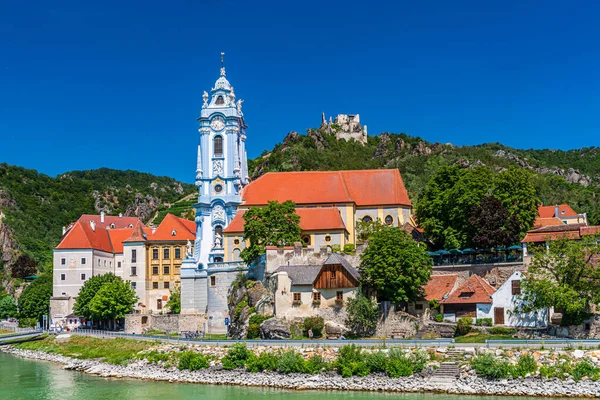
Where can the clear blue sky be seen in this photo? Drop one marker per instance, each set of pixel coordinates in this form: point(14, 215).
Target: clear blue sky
point(119, 84)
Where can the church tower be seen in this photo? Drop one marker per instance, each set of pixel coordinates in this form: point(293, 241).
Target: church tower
point(222, 169)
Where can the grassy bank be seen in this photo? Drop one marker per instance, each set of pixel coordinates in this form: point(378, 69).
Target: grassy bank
point(112, 351)
point(481, 338)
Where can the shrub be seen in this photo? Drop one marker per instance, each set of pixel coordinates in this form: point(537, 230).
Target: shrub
point(488, 366)
point(349, 248)
point(192, 361)
point(484, 322)
point(253, 331)
point(526, 365)
point(463, 326)
point(265, 361)
point(316, 324)
point(398, 367)
point(585, 368)
point(258, 318)
point(377, 361)
point(500, 330)
point(419, 360)
point(316, 364)
point(236, 357)
point(363, 314)
point(439, 317)
point(290, 361)
point(350, 361)
point(154, 357)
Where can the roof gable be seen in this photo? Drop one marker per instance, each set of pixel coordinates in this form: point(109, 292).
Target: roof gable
point(174, 228)
point(473, 290)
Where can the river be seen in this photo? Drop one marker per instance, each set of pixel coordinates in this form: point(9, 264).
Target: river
point(41, 380)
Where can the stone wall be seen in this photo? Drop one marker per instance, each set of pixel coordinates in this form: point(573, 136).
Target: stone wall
point(140, 323)
point(495, 274)
point(590, 329)
point(396, 324)
point(298, 255)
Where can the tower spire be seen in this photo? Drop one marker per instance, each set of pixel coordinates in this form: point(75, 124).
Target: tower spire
point(222, 63)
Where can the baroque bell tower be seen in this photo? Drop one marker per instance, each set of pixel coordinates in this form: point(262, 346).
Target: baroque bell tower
point(222, 168)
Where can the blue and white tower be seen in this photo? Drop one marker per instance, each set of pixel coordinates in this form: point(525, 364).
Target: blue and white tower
point(221, 173)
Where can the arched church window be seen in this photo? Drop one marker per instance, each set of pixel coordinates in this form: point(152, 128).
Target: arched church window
point(218, 146)
point(389, 220)
point(220, 101)
point(367, 219)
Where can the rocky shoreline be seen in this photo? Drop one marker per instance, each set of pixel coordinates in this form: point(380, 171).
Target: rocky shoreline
point(470, 385)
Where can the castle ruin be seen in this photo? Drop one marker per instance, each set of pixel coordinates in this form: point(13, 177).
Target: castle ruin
point(346, 126)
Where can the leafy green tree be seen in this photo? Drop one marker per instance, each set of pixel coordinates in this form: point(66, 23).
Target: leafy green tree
point(24, 266)
point(395, 265)
point(514, 188)
point(275, 224)
point(362, 314)
point(113, 301)
point(364, 230)
point(492, 226)
point(174, 303)
point(8, 308)
point(34, 302)
point(88, 291)
point(565, 277)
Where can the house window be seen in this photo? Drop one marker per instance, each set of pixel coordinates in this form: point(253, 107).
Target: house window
point(133, 255)
point(236, 241)
point(155, 254)
point(166, 270)
point(389, 220)
point(317, 297)
point(332, 276)
point(174, 232)
point(133, 271)
point(419, 307)
point(516, 287)
point(306, 239)
point(213, 280)
point(63, 261)
point(99, 262)
point(339, 296)
point(367, 219)
point(154, 285)
point(119, 264)
point(328, 238)
point(133, 285)
point(159, 304)
point(466, 295)
point(218, 146)
point(177, 253)
point(83, 261)
point(166, 285)
point(297, 297)
point(105, 263)
point(154, 270)
point(63, 277)
point(83, 277)
point(166, 253)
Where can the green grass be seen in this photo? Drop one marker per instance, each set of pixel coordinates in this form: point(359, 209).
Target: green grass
point(481, 338)
point(112, 351)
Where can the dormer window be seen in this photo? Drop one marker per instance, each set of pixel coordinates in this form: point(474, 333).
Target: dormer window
point(112, 226)
point(131, 225)
point(173, 232)
point(466, 295)
point(220, 101)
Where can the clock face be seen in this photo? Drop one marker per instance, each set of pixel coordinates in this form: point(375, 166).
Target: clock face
point(217, 124)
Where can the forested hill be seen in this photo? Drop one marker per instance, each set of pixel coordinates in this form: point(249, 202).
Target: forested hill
point(559, 176)
point(36, 206)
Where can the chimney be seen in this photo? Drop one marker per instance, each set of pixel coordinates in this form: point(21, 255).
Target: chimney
point(93, 225)
point(120, 215)
point(556, 212)
point(64, 230)
point(102, 217)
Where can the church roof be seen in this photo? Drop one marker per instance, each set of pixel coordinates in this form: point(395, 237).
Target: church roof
point(311, 219)
point(174, 228)
point(361, 187)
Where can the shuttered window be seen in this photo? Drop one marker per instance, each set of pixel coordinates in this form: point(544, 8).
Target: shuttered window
point(516, 287)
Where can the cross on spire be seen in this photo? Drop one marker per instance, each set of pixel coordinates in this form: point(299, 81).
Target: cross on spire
point(222, 63)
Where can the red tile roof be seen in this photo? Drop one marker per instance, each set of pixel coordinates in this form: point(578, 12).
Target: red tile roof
point(174, 228)
point(439, 286)
point(564, 210)
point(136, 234)
point(362, 187)
point(477, 289)
point(541, 222)
point(311, 219)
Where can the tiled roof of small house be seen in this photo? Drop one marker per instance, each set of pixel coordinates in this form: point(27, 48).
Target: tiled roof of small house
point(174, 228)
point(564, 210)
point(311, 219)
point(439, 286)
point(338, 259)
point(473, 290)
point(554, 232)
point(301, 274)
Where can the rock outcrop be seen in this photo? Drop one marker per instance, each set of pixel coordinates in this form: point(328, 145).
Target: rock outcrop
point(275, 328)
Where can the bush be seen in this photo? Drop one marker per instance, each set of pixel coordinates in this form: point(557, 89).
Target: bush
point(419, 360)
point(484, 322)
point(401, 363)
point(236, 357)
point(397, 367)
point(362, 315)
point(290, 361)
point(500, 330)
point(316, 364)
point(253, 331)
point(585, 368)
point(488, 366)
point(258, 318)
point(526, 365)
point(266, 361)
point(316, 324)
point(192, 361)
point(377, 361)
point(463, 326)
point(350, 361)
point(154, 357)
point(439, 318)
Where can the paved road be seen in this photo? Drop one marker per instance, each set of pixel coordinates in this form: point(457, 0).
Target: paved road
point(20, 336)
point(547, 343)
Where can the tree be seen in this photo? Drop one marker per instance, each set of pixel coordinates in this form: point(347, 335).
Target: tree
point(24, 266)
point(565, 277)
point(8, 309)
point(113, 301)
point(362, 314)
point(88, 291)
point(34, 302)
point(174, 303)
point(275, 224)
point(395, 265)
point(364, 230)
point(514, 188)
point(492, 226)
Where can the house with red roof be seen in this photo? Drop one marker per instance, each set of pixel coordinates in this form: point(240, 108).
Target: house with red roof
point(149, 258)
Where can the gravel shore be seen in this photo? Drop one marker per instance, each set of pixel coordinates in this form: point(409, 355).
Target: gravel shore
point(327, 381)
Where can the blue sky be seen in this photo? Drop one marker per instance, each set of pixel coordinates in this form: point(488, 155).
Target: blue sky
point(119, 84)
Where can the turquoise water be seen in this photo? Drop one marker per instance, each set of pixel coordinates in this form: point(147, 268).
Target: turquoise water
point(30, 379)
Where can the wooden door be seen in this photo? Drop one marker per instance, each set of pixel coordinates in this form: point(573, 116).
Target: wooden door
point(499, 315)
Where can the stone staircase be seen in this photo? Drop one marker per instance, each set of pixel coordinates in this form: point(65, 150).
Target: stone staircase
point(454, 354)
point(445, 376)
